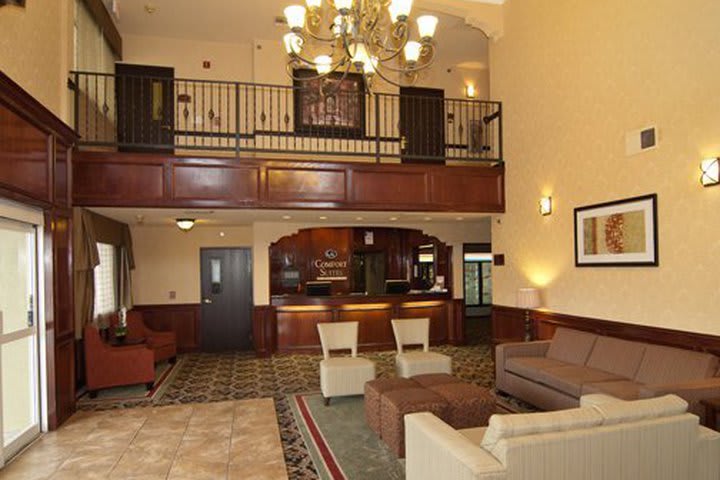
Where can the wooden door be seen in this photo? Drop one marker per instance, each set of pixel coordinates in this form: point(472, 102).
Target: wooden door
point(226, 282)
point(422, 125)
point(145, 108)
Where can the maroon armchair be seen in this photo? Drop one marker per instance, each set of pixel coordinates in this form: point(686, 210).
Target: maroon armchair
point(163, 344)
point(108, 366)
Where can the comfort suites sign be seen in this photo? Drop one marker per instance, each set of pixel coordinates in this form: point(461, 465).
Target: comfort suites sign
point(330, 267)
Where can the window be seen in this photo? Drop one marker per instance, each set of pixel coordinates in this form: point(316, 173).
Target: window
point(106, 280)
point(478, 279)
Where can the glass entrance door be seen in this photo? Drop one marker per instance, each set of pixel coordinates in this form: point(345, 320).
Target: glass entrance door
point(19, 353)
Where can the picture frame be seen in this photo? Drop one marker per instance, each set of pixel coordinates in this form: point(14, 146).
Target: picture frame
point(330, 106)
point(621, 233)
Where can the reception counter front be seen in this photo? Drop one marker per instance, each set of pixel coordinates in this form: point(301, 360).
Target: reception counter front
point(297, 316)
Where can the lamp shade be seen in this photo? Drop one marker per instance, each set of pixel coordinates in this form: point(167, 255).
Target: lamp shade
point(426, 26)
point(343, 6)
point(400, 9)
point(313, 3)
point(185, 224)
point(293, 43)
point(323, 64)
point(412, 52)
point(528, 298)
point(295, 16)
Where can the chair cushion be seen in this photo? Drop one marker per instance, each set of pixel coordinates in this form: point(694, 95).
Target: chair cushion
point(345, 375)
point(516, 425)
point(571, 378)
point(417, 363)
point(622, 412)
point(620, 357)
point(345, 363)
point(674, 365)
point(571, 346)
point(622, 389)
point(529, 367)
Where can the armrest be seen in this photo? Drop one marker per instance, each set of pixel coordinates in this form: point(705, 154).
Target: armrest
point(537, 348)
point(692, 391)
point(433, 449)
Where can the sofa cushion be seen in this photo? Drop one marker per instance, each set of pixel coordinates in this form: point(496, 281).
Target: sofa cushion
point(571, 378)
point(528, 367)
point(571, 346)
point(674, 365)
point(622, 412)
point(620, 357)
point(516, 425)
point(622, 389)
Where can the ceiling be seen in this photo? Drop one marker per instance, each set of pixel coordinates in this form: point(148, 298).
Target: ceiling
point(237, 217)
point(242, 21)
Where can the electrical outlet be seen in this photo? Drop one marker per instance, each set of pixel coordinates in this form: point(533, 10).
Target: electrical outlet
point(172, 294)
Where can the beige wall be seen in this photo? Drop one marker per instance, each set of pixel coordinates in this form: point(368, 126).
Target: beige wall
point(36, 50)
point(169, 260)
point(574, 77)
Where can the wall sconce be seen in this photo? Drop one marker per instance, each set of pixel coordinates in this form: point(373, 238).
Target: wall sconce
point(710, 172)
point(470, 91)
point(185, 224)
point(545, 206)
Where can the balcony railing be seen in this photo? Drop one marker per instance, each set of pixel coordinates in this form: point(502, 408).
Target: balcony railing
point(146, 113)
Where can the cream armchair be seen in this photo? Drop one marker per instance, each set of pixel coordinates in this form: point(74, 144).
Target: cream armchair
point(342, 376)
point(416, 331)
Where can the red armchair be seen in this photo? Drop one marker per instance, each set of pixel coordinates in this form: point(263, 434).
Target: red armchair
point(163, 344)
point(107, 366)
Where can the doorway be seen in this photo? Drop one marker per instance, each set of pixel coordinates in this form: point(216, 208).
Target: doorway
point(20, 366)
point(226, 283)
point(145, 108)
point(477, 287)
point(422, 125)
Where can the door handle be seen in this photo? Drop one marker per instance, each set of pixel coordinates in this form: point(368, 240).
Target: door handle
point(207, 300)
point(403, 142)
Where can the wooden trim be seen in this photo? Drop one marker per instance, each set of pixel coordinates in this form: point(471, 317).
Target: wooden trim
point(102, 17)
point(264, 330)
point(508, 326)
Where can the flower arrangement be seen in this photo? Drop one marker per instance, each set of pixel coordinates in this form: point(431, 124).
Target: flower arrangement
point(121, 329)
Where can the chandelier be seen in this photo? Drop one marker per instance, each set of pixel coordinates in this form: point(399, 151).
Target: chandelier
point(369, 37)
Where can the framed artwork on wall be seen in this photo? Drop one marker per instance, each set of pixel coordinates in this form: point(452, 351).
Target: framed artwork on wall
point(616, 234)
point(329, 106)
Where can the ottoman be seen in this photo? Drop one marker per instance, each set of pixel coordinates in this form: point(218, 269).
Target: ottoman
point(374, 390)
point(394, 405)
point(467, 405)
point(428, 380)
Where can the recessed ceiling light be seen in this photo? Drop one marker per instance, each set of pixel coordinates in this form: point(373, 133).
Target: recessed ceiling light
point(222, 234)
point(323, 217)
point(427, 219)
point(392, 219)
point(359, 218)
point(286, 217)
point(150, 8)
point(459, 218)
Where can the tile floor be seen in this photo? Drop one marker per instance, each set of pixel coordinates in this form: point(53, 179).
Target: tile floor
point(230, 440)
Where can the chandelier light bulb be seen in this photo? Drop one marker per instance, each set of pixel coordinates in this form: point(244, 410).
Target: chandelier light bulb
point(293, 43)
point(323, 64)
point(427, 25)
point(369, 67)
point(295, 16)
point(400, 10)
point(343, 6)
point(412, 52)
point(313, 3)
point(360, 55)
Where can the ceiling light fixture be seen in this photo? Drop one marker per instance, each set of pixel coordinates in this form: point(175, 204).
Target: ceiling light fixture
point(185, 224)
point(369, 37)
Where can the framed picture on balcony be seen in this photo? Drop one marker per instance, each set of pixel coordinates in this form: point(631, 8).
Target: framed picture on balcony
point(330, 106)
point(619, 233)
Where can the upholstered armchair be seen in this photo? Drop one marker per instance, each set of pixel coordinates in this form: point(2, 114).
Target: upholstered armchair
point(163, 344)
point(342, 376)
point(109, 366)
point(416, 331)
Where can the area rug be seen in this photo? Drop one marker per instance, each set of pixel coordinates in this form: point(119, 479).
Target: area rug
point(165, 372)
point(339, 441)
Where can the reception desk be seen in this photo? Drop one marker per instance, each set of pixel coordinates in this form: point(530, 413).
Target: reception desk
point(296, 318)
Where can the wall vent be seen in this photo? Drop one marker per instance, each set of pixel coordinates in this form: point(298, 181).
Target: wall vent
point(641, 140)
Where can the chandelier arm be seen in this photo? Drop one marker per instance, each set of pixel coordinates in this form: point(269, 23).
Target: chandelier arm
point(318, 37)
point(319, 76)
point(386, 78)
point(394, 53)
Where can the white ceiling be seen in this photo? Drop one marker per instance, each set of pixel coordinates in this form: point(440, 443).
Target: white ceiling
point(236, 217)
point(242, 21)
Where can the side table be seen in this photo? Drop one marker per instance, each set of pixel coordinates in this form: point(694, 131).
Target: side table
point(712, 409)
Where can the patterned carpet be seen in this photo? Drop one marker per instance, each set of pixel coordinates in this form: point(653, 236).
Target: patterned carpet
point(206, 377)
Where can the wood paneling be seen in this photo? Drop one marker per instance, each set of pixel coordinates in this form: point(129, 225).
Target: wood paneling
point(24, 156)
point(546, 322)
point(389, 187)
point(62, 195)
point(437, 312)
point(63, 274)
point(65, 378)
point(374, 327)
point(154, 180)
point(297, 329)
point(264, 330)
point(508, 324)
point(310, 185)
point(119, 183)
point(216, 182)
point(183, 319)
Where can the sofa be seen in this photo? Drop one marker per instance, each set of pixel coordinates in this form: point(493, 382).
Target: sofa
point(554, 374)
point(603, 439)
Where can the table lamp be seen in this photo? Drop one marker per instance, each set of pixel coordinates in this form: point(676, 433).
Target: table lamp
point(527, 299)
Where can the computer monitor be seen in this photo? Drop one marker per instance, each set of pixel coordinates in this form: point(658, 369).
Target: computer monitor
point(318, 288)
point(397, 286)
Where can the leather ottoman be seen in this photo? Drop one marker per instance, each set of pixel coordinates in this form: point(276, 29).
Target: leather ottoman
point(467, 405)
point(395, 404)
point(374, 390)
